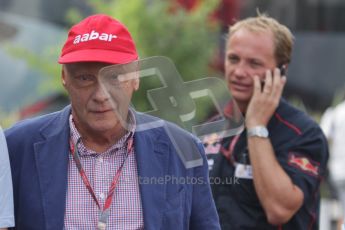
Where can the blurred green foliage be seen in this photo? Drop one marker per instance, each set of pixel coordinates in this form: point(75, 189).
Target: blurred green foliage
point(7, 119)
point(159, 28)
point(162, 28)
point(45, 63)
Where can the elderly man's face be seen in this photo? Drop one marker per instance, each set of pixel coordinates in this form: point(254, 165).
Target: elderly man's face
point(99, 103)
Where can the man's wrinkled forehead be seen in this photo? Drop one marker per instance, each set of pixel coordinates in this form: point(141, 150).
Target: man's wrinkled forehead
point(84, 66)
point(125, 72)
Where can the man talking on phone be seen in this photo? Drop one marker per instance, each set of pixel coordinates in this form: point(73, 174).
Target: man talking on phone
point(280, 157)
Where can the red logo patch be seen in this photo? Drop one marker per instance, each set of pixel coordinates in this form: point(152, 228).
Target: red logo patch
point(212, 143)
point(304, 164)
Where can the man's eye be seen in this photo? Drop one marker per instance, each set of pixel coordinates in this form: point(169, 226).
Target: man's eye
point(255, 64)
point(84, 80)
point(232, 59)
point(113, 79)
point(85, 77)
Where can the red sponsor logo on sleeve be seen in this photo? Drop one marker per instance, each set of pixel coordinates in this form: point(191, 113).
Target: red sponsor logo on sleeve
point(304, 163)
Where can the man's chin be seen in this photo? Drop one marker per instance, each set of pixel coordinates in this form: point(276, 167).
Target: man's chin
point(104, 126)
point(241, 97)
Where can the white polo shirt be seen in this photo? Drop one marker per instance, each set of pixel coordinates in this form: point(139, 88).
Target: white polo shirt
point(6, 194)
point(333, 125)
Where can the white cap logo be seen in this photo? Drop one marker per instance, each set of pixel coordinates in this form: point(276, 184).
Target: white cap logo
point(93, 36)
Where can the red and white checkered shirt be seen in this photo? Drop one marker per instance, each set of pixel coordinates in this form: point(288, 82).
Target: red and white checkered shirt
point(125, 211)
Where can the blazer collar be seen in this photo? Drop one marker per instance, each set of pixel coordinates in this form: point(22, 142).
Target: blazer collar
point(152, 154)
point(51, 158)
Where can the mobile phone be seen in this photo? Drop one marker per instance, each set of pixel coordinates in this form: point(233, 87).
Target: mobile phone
point(282, 69)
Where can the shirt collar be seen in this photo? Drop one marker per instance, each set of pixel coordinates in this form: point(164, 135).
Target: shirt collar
point(122, 142)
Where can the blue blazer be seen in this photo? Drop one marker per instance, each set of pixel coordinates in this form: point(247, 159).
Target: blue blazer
point(39, 149)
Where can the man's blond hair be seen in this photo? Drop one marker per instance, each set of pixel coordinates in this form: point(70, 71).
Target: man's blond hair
point(282, 36)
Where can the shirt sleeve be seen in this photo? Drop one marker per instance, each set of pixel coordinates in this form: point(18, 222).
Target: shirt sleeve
point(6, 193)
point(305, 161)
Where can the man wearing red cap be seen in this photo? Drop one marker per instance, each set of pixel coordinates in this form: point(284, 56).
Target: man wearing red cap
point(95, 164)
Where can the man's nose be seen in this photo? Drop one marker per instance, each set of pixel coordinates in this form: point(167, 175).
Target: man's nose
point(240, 70)
point(100, 93)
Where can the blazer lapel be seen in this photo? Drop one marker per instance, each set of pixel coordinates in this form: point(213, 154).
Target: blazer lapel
point(51, 157)
point(152, 155)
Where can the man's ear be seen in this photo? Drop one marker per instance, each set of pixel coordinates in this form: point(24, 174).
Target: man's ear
point(136, 84)
point(63, 77)
point(137, 76)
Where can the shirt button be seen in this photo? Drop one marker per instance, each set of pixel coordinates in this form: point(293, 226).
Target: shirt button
point(102, 196)
point(100, 159)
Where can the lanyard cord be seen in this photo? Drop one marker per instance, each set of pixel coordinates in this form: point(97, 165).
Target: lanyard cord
point(106, 209)
point(228, 153)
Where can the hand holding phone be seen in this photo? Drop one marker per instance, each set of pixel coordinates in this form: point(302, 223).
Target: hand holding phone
point(265, 98)
point(282, 69)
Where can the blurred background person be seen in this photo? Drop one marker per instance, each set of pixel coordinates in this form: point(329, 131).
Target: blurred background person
point(333, 125)
point(6, 196)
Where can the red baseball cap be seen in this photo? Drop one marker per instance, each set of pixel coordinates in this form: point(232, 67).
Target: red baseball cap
point(99, 38)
